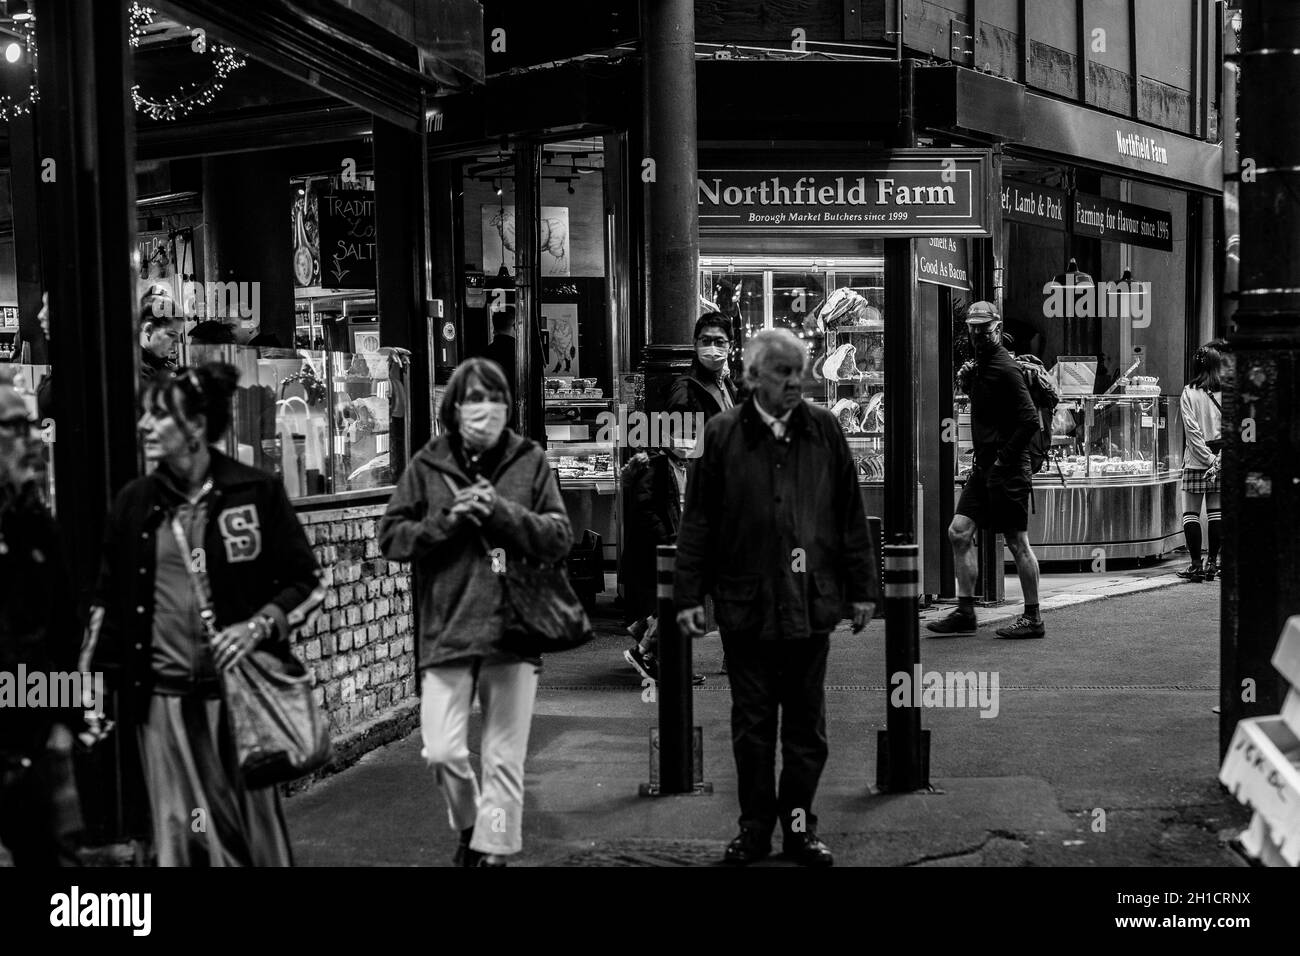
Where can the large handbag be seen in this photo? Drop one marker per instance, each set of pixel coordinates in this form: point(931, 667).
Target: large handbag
point(540, 613)
point(279, 733)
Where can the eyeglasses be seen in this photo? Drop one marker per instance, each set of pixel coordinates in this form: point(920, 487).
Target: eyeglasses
point(717, 340)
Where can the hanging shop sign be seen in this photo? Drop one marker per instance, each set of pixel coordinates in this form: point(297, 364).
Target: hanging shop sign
point(1118, 221)
point(942, 261)
point(916, 193)
point(347, 239)
point(1034, 204)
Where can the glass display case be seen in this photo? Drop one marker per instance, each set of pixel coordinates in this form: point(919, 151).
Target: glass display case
point(580, 444)
point(1101, 438)
point(845, 335)
point(1109, 487)
point(321, 420)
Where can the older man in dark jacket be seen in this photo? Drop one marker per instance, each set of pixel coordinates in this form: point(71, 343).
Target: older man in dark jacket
point(774, 529)
point(38, 637)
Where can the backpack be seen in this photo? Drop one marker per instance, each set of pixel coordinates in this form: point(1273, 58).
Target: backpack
point(1046, 395)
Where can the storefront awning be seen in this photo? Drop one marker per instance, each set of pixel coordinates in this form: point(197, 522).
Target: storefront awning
point(957, 98)
point(379, 55)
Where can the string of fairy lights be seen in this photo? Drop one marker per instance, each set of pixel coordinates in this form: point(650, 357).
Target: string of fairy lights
point(175, 105)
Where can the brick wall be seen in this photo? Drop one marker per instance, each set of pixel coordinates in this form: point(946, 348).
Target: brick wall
point(361, 645)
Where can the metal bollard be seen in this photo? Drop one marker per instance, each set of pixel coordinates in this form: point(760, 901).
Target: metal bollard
point(876, 537)
point(992, 583)
point(903, 748)
point(681, 745)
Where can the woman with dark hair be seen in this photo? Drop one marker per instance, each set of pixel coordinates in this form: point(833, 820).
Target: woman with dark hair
point(1202, 413)
point(199, 512)
point(707, 388)
point(473, 499)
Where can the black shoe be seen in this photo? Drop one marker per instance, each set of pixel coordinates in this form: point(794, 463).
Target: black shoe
point(807, 850)
point(957, 622)
point(464, 855)
point(1211, 569)
point(697, 679)
point(748, 847)
point(643, 664)
point(486, 859)
point(1193, 573)
point(1022, 628)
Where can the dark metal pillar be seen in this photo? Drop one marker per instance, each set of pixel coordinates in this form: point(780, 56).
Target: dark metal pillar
point(401, 279)
point(86, 188)
point(87, 152)
point(668, 32)
point(530, 357)
point(1261, 466)
point(901, 763)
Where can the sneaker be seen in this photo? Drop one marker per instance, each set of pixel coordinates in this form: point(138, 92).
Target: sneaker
point(1022, 628)
point(1211, 569)
point(644, 665)
point(1194, 572)
point(957, 622)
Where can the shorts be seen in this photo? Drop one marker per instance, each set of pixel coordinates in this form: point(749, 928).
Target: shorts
point(998, 501)
point(1195, 482)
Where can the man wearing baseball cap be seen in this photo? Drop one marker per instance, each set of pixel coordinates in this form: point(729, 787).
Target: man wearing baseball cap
point(997, 494)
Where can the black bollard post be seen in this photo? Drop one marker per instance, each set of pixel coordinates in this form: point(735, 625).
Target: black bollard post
point(992, 589)
point(903, 748)
point(676, 706)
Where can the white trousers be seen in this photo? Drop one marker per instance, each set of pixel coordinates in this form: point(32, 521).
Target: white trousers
point(506, 692)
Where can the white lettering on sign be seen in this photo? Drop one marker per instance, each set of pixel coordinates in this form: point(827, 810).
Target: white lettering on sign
point(806, 192)
point(1141, 147)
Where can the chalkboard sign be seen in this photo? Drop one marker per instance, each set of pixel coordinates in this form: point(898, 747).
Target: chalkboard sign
point(347, 239)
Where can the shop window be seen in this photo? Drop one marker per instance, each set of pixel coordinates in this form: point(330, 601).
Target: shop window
point(836, 306)
point(321, 401)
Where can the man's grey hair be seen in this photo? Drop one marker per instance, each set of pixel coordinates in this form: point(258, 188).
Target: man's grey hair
point(769, 344)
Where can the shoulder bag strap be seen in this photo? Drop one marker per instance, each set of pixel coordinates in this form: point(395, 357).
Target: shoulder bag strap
point(198, 579)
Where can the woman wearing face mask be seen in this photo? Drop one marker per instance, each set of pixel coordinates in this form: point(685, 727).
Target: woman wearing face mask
point(198, 511)
point(476, 495)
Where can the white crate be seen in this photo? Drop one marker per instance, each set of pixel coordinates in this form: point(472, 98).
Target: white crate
point(1287, 656)
point(1291, 711)
point(1257, 842)
point(1262, 769)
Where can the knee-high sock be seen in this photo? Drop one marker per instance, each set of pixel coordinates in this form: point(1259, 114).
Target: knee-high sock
point(1192, 531)
point(1214, 535)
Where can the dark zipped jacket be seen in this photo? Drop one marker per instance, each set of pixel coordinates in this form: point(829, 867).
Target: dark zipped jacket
point(652, 514)
point(777, 535)
point(38, 622)
point(459, 593)
point(690, 393)
point(256, 554)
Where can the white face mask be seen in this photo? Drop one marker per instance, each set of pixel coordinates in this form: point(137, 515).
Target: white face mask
point(481, 423)
point(712, 357)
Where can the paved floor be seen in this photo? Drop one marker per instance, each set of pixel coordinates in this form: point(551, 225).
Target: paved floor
point(1103, 750)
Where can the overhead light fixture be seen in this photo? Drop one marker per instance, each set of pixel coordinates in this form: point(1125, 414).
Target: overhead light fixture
point(20, 12)
point(13, 52)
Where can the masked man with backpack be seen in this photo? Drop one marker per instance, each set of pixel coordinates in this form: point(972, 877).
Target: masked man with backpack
point(1004, 423)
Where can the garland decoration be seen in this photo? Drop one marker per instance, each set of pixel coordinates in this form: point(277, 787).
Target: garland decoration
point(190, 96)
